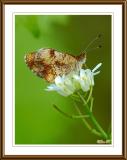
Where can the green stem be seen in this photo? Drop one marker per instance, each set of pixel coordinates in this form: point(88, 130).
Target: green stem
point(91, 106)
point(75, 97)
point(90, 94)
point(86, 123)
point(109, 131)
point(69, 116)
point(97, 125)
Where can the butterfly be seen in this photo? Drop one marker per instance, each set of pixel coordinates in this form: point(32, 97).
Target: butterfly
point(49, 63)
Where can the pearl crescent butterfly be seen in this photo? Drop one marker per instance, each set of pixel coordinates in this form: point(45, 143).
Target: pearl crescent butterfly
point(48, 63)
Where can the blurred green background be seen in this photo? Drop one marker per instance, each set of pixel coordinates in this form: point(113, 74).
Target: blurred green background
point(36, 121)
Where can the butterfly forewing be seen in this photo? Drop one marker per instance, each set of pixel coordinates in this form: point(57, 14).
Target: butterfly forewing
point(49, 63)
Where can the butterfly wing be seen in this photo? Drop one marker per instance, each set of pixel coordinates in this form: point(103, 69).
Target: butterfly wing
point(49, 63)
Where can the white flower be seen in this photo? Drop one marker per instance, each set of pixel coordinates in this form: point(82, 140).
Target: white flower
point(63, 85)
point(67, 85)
point(86, 79)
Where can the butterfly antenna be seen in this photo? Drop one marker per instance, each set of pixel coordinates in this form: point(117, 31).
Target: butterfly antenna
point(100, 46)
point(96, 38)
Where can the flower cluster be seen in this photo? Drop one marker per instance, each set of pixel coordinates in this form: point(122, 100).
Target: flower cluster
point(67, 85)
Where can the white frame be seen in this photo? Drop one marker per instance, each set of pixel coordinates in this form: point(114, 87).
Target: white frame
point(112, 149)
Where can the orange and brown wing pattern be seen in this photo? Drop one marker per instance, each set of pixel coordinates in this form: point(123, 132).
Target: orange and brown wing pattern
point(49, 63)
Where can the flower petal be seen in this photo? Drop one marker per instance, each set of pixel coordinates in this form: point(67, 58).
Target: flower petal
point(61, 92)
point(84, 85)
point(90, 77)
point(96, 67)
point(95, 73)
point(59, 80)
point(52, 87)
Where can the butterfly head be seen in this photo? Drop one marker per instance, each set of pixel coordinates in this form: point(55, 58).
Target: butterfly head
point(81, 58)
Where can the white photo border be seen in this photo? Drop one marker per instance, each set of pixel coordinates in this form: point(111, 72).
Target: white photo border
point(112, 149)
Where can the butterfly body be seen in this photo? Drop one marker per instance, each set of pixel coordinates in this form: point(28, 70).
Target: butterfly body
point(48, 63)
